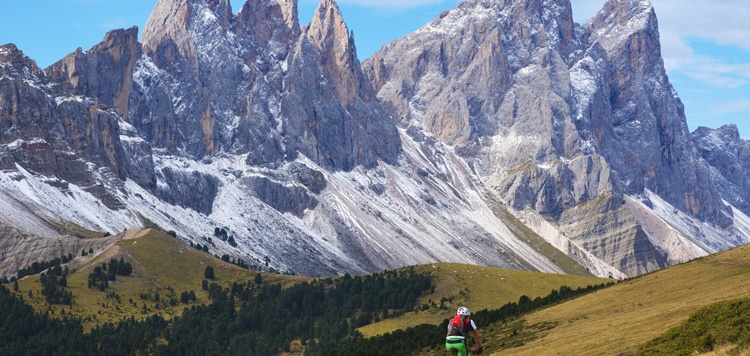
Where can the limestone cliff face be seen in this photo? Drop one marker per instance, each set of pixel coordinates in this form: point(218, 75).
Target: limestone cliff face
point(236, 77)
point(168, 26)
point(103, 73)
point(492, 78)
point(204, 82)
point(554, 115)
point(729, 158)
point(55, 136)
point(329, 34)
point(651, 146)
point(336, 121)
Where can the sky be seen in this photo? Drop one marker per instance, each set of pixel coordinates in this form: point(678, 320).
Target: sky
point(705, 43)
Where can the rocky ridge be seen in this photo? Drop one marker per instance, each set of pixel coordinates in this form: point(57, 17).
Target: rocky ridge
point(559, 119)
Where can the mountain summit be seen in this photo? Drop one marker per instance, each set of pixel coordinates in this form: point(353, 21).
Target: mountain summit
point(501, 133)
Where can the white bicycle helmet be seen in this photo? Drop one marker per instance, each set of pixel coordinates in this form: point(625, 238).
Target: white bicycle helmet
point(463, 311)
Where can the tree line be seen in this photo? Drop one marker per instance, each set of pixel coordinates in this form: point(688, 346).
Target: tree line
point(53, 283)
point(37, 267)
point(270, 317)
point(247, 318)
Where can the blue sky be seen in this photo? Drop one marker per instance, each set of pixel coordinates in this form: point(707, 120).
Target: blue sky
point(705, 43)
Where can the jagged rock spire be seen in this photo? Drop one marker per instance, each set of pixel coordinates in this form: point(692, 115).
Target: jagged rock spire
point(169, 22)
point(618, 19)
point(19, 62)
point(291, 15)
point(329, 33)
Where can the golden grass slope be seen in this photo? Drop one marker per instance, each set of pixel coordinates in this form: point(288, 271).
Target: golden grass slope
point(478, 288)
point(619, 319)
point(162, 266)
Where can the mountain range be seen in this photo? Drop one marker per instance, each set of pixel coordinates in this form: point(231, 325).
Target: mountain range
point(502, 133)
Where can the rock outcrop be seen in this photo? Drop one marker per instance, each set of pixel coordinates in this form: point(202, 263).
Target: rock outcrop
point(729, 158)
point(55, 137)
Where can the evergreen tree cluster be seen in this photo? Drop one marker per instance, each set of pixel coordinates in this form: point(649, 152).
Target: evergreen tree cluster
point(249, 319)
point(187, 297)
point(199, 247)
point(224, 236)
point(102, 275)
point(270, 317)
point(238, 262)
point(54, 282)
point(38, 267)
point(24, 332)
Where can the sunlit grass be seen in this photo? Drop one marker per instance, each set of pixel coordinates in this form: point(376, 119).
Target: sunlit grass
point(478, 288)
point(163, 268)
point(619, 319)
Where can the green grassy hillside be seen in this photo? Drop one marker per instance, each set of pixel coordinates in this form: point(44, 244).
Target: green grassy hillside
point(621, 319)
point(478, 288)
point(163, 268)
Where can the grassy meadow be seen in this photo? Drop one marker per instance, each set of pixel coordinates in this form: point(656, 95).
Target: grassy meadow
point(163, 268)
point(477, 288)
point(620, 319)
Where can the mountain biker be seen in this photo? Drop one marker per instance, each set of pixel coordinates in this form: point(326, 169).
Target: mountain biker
point(455, 340)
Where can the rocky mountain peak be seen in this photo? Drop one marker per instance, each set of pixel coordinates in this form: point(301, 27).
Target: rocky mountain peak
point(289, 10)
point(511, 115)
point(719, 139)
point(729, 157)
point(727, 134)
point(14, 62)
point(329, 33)
point(223, 9)
point(117, 39)
point(169, 24)
point(103, 73)
point(618, 19)
point(651, 145)
point(328, 27)
point(268, 20)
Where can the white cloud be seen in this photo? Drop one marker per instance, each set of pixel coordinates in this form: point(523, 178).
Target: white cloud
point(676, 51)
point(716, 72)
point(724, 22)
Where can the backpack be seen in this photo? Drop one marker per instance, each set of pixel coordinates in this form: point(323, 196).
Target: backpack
point(457, 325)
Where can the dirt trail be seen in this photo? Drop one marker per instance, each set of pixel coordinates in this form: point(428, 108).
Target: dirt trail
point(135, 233)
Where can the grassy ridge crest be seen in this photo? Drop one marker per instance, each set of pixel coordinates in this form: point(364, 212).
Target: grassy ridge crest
point(163, 268)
